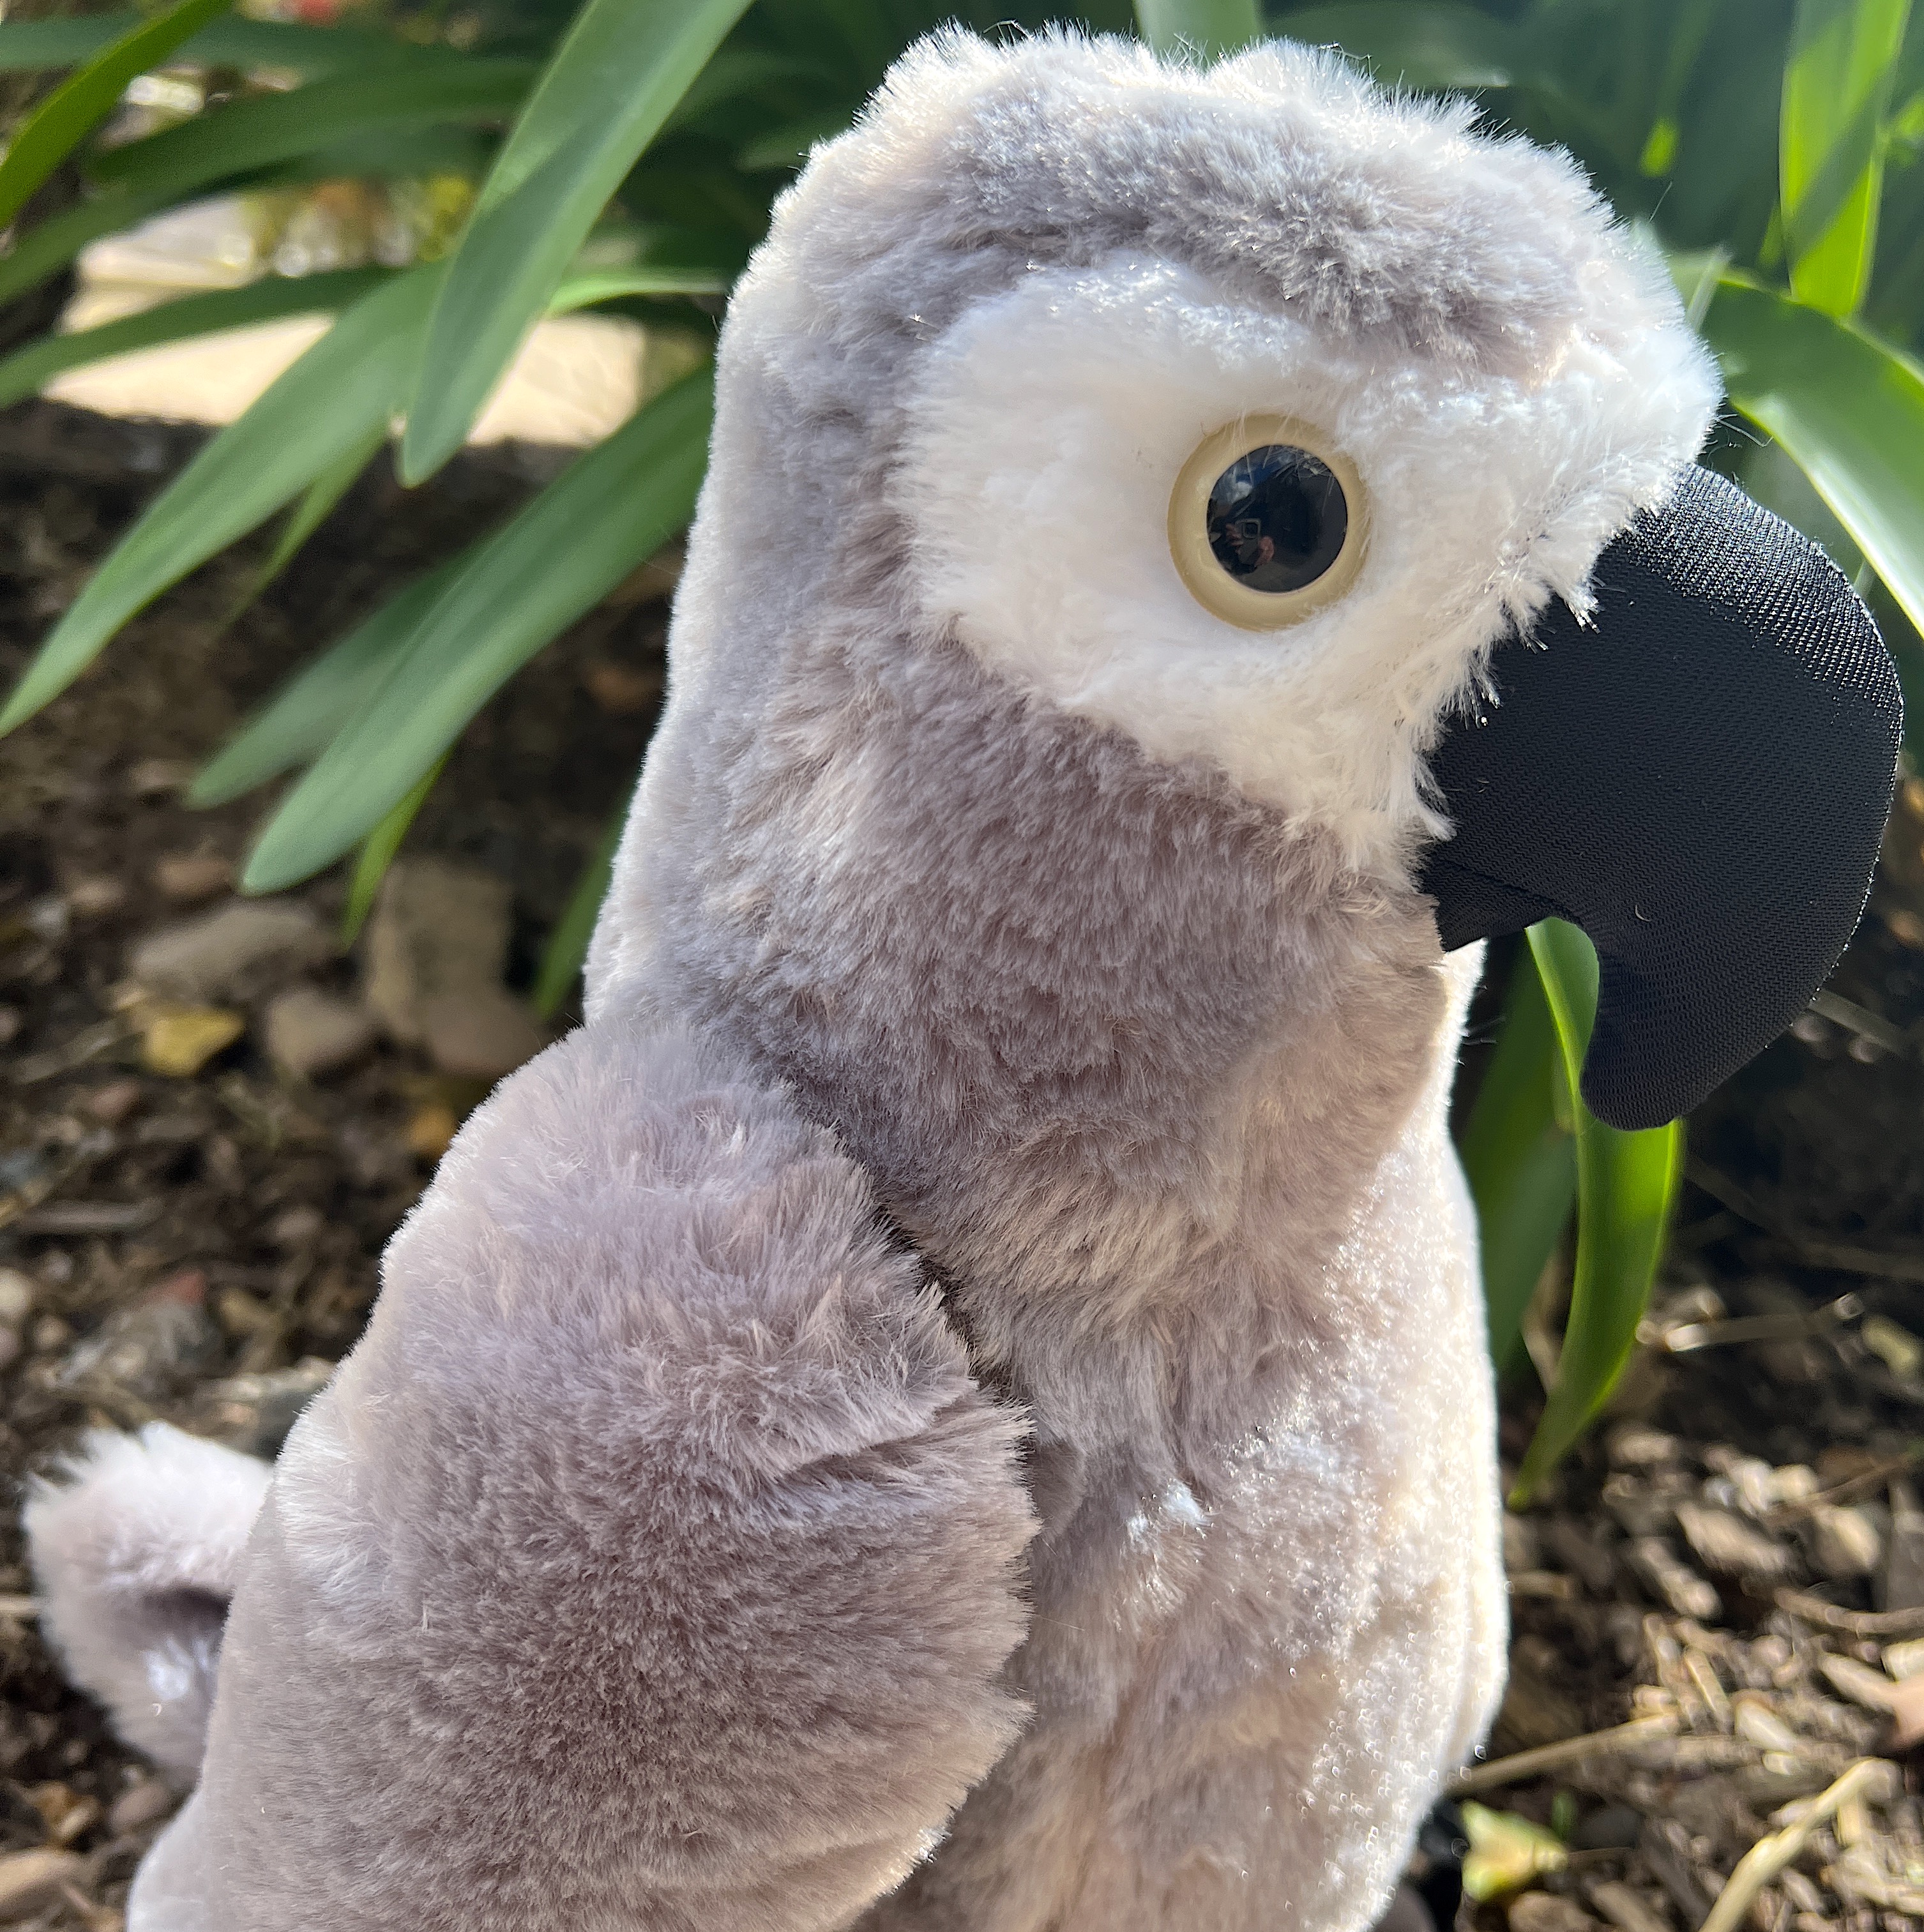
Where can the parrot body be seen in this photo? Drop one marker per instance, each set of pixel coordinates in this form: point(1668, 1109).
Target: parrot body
point(958, 1401)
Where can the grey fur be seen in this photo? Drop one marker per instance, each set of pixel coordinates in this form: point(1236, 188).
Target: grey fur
point(657, 1560)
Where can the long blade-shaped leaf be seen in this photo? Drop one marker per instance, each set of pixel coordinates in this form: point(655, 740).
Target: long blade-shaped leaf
point(1520, 1163)
point(297, 723)
point(29, 369)
point(1209, 27)
point(1625, 1184)
point(79, 104)
point(567, 945)
point(263, 129)
point(377, 851)
point(555, 559)
point(316, 505)
point(34, 47)
point(351, 380)
point(612, 83)
point(1849, 410)
point(1837, 89)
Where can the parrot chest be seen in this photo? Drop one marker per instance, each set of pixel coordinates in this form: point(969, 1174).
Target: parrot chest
point(1268, 1614)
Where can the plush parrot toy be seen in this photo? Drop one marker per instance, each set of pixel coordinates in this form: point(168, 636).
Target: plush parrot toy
point(958, 1401)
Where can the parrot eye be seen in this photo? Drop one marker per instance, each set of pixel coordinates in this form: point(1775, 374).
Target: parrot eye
point(1267, 524)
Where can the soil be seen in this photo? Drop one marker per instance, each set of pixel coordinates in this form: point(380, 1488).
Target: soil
point(1736, 1559)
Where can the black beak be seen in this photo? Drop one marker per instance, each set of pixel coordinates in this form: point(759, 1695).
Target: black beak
point(1698, 778)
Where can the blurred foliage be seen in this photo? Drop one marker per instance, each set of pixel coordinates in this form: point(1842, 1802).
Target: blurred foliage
point(510, 159)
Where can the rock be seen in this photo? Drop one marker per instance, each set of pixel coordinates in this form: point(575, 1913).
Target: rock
point(151, 1350)
point(30, 1881)
point(96, 896)
point(1635, 1445)
point(231, 952)
point(1545, 1911)
point(1673, 1581)
point(188, 878)
point(145, 1802)
point(1845, 1542)
point(111, 1104)
point(437, 945)
point(156, 778)
point(1730, 1545)
point(16, 1298)
point(481, 1035)
point(1625, 1908)
point(179, 1041)
point(295, 1227)
point(1902, 1586)
point(621, 690)
point(253, 1413)
point(309, 1032)
point(1521, 1549)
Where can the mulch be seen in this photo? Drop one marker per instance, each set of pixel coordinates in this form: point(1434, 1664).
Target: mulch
point(1732, 1566)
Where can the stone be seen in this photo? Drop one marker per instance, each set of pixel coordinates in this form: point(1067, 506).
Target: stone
point(30, 1881)
point(1731, 1546)
point(156, 778)
point(307, 1032)
point(437, 945)
point(113, 1102)
point(481, 1034)
point(17, 1295)
point(231, 952)
point(1900, 1587)
point(1635, 1445)
point(189, 877)
point(145, 1801)
point(96, 895)
point(1674, 1582)
point(1546, 1911)
point(253, 1413)
point(1845, 1542)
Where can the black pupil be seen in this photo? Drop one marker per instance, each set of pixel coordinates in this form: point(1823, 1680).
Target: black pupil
point(1277, 518)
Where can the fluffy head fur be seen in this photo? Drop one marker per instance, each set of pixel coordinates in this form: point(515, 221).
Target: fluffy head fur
point(993, 322)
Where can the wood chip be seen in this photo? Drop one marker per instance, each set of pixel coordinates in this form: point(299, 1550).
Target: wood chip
point(1621, 1905)
point(1637, 1734)
point(1769, 1856)
point(1852, 1623)
point(30, 1881)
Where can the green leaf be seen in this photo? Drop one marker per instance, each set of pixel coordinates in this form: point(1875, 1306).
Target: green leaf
point(1520, 1163)
point(353, 379)
point(557, 558)
point(377, 852)
point(567, 947)
point(316, 503)
point(82, 102)
point(29, 370)
point(298, 722)
point(665, 262)
point(613, 82)
point(1416, 44)
point(34, 47)
point(1837, 89)
point(262, 129)
point(1625, 1185)
point(1209, 28)
point(1848, 409)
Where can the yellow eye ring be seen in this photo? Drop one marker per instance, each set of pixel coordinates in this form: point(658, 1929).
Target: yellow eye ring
point(1224, 561)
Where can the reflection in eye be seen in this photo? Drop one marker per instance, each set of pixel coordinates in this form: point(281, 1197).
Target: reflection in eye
point(1277, 518)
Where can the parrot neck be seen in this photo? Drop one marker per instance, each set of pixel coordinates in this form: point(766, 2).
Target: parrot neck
point(1123, 1052)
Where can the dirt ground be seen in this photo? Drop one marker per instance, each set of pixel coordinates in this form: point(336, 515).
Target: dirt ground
point(1733, 1566)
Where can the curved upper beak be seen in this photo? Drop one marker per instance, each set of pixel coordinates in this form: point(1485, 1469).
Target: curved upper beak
point(1698, 777)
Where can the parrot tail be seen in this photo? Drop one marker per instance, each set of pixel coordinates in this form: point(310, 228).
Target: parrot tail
point(136, 1544)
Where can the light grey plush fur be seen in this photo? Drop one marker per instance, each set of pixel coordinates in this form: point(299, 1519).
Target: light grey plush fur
point(958, 1401)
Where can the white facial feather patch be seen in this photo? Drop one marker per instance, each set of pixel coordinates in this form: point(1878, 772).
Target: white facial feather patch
point(1049, 429)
